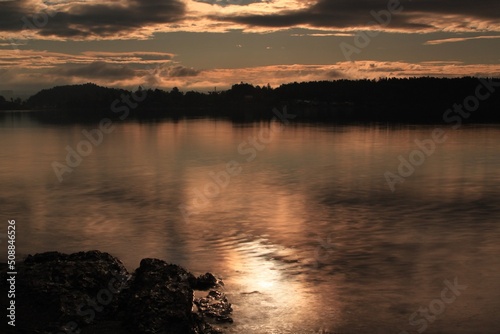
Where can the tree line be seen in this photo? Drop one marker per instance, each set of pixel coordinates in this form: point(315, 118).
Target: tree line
point(422, 100)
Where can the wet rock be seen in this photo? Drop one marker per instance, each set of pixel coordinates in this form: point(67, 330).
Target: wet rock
point(93, 292)
point(216, 306)
point(55, 289)
point(205, 282)
point(160, 299)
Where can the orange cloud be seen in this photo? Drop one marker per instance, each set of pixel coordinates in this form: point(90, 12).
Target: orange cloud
point(32, 69)
point(134, 19)
point(458, 39)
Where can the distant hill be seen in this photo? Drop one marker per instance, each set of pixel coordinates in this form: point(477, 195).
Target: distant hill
point(10, 105)
point(84, 96)
point(408, 100)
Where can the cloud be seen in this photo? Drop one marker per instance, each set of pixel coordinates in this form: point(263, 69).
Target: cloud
point(129, 76)
point(32, 69)
point(335, 74)
point(44, 59)
point(442, 62)
point(132, 57)
point(11, 14)
point(96, 70)
point(140, 19)
point(224, 3)
point(458, 39)
point(276, 75)
point(181, 71)
point(423, 16)
point(337, 34)
point(12, 44)
point(89, 19)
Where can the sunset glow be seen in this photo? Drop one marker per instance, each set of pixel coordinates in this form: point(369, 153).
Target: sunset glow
point(202, 44)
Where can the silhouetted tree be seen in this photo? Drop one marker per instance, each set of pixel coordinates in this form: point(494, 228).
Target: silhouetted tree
point(423, 99)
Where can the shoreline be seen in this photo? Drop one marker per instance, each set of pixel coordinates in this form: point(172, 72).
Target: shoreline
point(93, 292)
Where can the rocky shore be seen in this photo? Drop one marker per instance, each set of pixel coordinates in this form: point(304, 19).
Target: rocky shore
point(92, 292)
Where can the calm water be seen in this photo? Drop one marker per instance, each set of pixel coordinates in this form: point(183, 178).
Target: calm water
point(307, 236)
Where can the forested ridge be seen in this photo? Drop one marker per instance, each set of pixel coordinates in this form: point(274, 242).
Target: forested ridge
point(424, 99)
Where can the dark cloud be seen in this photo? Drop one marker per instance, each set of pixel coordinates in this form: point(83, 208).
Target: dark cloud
point(354, 13)
point(153, 56)
point(129, 57)
point(181, 71)
point(335, 74)
point(224, 3)
point(83, 19)
point(96, 70)
point(11, 13)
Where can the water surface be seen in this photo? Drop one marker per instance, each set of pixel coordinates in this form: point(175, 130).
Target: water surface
point(308, 236)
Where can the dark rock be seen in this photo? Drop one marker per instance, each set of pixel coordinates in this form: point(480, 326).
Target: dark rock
point(45, 257)
point(215, 305)
point(55, 289)
point(205, 282)
point(161, 299)
point(93, 292)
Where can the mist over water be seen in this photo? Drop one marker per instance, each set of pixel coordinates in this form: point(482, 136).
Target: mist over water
point(307, 235)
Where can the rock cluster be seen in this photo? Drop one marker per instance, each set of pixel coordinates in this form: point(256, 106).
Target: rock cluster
point(92, 292)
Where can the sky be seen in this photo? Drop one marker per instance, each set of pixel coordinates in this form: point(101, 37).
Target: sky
point(206, 44)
